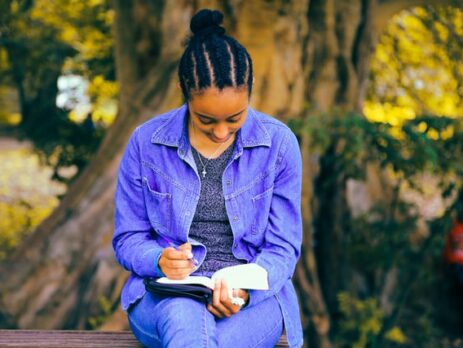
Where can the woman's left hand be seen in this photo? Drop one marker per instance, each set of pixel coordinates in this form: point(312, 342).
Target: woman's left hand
point(222, 305)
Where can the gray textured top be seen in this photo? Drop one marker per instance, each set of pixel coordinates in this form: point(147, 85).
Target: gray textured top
point(210, 224)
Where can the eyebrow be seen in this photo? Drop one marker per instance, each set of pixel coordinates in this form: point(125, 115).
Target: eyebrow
point(213, 118)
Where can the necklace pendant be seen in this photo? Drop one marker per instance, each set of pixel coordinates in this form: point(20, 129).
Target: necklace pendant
point(204, 172)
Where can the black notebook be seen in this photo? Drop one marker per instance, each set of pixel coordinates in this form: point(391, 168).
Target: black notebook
point(244, 276)
point(196, 292)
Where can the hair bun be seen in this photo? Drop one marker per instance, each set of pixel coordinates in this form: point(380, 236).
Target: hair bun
point(207, 22)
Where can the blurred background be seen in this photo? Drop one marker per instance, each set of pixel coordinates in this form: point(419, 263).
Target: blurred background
point(372, 88)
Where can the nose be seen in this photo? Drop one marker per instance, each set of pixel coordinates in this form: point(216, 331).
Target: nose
point(221, 131)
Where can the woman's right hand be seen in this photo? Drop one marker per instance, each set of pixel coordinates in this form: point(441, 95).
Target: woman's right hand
point(177, 263)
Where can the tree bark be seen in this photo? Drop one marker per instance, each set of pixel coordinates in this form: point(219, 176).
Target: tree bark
point(305, 52)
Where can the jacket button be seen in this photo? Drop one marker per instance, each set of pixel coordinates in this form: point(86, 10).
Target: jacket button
point(235, 218)
point(228, 182)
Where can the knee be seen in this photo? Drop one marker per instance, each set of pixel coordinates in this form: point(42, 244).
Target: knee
point(184, 322)
point(181, 314)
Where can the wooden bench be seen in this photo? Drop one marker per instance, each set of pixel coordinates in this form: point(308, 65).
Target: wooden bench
point(76, 339)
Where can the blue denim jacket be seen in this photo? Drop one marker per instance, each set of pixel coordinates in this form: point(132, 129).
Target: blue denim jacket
point(158, 189)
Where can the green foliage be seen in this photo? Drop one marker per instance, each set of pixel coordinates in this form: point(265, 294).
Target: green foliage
point(105, 311)
point(362, 320)
point(385, 240)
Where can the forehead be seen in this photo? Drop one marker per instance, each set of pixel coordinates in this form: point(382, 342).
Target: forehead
point(219, 103)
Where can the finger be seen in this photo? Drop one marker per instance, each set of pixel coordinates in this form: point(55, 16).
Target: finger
point(214, 312)
point(216, 299)
point(180, 268)
point(185, 247)
point(233, 308)
point(224, 294)
point(177, 274)
point(242, 293)
point(181, 264)
point(225, 307)
point(216, 293)
point(174, 254)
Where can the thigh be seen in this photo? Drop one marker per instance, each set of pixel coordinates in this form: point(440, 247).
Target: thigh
point(257, 326)
point(172, 322)
point(142, 323)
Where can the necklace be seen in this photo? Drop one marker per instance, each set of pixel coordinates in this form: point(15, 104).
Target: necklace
point(204, 164)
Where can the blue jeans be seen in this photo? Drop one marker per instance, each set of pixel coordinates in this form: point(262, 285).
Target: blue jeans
point(182, 322)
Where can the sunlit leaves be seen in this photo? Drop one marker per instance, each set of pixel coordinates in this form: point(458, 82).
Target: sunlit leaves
point(103, 94)
point(26, 195)
point(84, 24)
point(417, 67)
point(361, 320)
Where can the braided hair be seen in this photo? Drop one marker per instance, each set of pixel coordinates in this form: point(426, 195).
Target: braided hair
point(213, 59)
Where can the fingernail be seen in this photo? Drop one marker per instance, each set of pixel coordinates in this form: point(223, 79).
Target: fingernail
point(189, 254)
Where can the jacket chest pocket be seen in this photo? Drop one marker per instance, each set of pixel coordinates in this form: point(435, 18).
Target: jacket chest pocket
point(261, 204)
point(158, 207)
point(260, 216)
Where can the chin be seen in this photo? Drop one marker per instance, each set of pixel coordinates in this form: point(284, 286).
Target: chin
point(220, 141)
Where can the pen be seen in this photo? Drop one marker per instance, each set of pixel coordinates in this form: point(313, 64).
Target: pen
point(171, 244)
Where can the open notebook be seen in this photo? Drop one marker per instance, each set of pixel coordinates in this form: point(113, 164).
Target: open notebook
point(245, 276)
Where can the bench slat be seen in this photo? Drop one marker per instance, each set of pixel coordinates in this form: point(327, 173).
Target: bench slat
point(67, 339)
point(76, 339)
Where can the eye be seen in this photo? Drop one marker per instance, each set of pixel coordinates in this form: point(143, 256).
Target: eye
point(205, 121)
point(235, 120)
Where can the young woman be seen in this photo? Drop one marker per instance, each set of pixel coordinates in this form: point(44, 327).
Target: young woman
point(222, 182)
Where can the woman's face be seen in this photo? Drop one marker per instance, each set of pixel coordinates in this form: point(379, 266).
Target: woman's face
point(217, 115)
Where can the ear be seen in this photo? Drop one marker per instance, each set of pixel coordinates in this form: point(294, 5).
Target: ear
point(253, 80)
point(178, 85)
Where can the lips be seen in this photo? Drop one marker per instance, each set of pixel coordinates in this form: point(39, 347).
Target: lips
point(220, 140)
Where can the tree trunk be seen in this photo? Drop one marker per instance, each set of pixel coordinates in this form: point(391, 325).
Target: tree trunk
point(305, 52)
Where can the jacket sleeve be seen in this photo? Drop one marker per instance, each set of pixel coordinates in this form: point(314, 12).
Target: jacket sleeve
point(133, 242)
point(283, 235)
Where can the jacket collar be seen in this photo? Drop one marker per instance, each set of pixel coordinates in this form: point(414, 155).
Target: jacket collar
point(174, 132)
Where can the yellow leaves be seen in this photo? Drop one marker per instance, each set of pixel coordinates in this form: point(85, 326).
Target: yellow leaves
point(14, 6)
point(415, 71)
point(458, 23)
point(362, 318)
point(104, 88)
point(69, 34)
point(106, 17)
point(442, 31)
point(388, 113)
point(396, 335)
point(26, 194)
point(95, 44)
point(69, 18)
point(103, 94)
point(95, 3)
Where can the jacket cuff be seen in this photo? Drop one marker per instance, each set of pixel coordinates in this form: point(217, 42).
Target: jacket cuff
point(157, 270)
point(146, 264)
